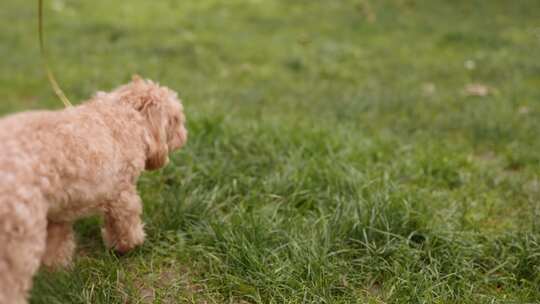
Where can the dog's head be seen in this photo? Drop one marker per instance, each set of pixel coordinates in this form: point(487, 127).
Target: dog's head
point(164, 115)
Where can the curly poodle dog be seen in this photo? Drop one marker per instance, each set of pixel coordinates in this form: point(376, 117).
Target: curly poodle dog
point(57, 167)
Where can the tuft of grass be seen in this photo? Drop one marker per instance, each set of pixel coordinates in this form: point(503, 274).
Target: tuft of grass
point(335, 155)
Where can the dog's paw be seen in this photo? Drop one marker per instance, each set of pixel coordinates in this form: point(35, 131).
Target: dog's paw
point(58, 260)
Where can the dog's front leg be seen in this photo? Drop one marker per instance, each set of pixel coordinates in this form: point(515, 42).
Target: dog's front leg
point(60, 245)
point(123, 229)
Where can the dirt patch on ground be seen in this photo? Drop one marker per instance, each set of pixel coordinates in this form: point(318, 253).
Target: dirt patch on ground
point(171, 283)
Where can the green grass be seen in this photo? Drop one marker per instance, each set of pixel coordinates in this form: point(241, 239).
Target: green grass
point(334, 156)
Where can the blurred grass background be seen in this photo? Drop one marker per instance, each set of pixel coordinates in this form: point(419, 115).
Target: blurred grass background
point(348, 151)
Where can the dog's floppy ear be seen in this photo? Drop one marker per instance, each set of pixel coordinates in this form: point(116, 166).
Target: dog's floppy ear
point(148, 99)
point(158, 151)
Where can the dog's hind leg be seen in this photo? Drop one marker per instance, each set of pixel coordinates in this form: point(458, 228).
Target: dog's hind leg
point(123, 229)
point(60, 245)
point(22, 244)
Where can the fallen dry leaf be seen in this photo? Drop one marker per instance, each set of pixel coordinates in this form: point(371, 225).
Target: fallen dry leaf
point(476, 89)
point(524, 110)
point(470, 64)
point(429, 89)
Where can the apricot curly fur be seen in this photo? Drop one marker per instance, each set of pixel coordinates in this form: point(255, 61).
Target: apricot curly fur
point(60, 166)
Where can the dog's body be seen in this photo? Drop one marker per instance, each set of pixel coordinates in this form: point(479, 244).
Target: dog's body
point(57, 167)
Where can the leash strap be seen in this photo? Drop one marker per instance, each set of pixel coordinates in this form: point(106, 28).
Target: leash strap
point(52, 80)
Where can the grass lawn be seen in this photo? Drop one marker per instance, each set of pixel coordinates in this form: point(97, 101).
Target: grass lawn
point(348, 151)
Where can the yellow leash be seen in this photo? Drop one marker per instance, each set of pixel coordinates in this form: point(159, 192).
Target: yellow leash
point(56, 88)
